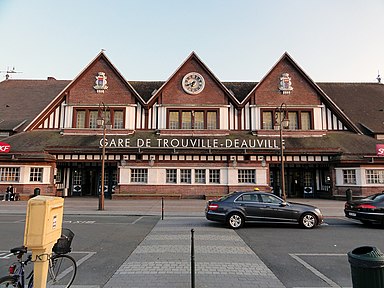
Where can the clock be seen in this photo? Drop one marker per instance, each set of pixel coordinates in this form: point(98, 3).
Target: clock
point(193, 83)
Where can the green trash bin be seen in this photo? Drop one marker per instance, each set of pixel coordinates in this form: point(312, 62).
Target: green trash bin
point(36, 192)
point(367, 267)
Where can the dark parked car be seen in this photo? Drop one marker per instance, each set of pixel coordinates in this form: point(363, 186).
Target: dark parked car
point(239, 207)
point(368, 210)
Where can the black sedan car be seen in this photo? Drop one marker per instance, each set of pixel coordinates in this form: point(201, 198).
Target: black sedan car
point(368, 210)
point(237, 208)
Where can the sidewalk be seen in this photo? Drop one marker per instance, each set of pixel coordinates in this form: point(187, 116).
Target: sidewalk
point(184, 207)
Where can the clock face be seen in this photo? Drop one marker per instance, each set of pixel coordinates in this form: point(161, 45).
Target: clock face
point(193, 83)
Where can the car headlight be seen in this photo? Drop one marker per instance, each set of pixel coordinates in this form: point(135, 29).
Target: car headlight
point(318, 211)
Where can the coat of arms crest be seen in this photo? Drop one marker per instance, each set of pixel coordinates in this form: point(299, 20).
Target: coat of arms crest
point(285, 85)
point(101, 82)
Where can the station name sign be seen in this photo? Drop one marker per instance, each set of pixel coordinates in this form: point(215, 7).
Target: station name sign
point(258, 143)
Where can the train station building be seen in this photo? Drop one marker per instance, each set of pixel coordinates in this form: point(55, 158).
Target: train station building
point(192, 135)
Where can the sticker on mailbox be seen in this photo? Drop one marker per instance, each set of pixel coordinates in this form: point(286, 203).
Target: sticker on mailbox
point(54, 222)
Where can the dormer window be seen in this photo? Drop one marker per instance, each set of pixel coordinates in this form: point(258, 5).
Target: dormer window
point(86, 118)
point(193, 119)
point(298, 120)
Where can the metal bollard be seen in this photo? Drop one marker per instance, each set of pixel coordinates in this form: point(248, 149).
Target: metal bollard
point(192, 260)
point(348, 194)
point(162, 208)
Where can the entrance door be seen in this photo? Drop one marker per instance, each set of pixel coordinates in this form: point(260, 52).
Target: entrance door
point(77, 181)
point(84, 181)
point(294, 183)
point(298, 178)
point(308, 187)
point(90, 180)
point(110, 181)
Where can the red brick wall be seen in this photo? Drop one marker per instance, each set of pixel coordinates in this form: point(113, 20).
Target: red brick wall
point(268, 93)
point(173, 92)
point(358, 191)
point(26, 190)
point(185, 191)
point(83, 92)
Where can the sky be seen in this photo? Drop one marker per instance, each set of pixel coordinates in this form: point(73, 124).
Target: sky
point(238, 40)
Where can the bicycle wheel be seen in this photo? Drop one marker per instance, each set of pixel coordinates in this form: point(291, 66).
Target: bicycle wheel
point(9, 281)
point(62, 271)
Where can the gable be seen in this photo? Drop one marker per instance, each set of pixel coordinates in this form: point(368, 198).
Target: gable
point(303, 93)
point(172, 91)
point(83, 92)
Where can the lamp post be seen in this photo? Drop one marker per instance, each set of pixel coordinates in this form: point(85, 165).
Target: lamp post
point(101, 122)
point(282, 121)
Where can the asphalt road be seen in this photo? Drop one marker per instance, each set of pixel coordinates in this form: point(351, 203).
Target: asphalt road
point(101, 243)
point(311, 258)
point(298, 257)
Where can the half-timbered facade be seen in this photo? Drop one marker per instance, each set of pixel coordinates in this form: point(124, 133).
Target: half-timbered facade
point(189, 136)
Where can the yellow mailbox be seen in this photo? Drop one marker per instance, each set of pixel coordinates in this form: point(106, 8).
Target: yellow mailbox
point(43, 222)
point(42, 229)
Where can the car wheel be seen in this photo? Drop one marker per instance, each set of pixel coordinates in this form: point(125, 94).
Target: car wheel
point(308, 220)
point(235, 220)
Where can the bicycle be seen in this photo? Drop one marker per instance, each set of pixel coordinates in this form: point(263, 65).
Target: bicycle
point(62, 268)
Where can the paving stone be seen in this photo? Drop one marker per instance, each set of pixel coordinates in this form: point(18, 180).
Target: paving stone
point(163, 259)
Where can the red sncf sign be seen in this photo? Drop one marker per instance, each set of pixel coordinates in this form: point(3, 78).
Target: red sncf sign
point(4, 147)
point(380, 150)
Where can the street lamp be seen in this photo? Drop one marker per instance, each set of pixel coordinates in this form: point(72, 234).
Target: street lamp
point(101, 122)
point(282, 121)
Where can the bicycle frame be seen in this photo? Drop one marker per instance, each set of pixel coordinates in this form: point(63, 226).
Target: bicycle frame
point(19, 268)
point(62, 247)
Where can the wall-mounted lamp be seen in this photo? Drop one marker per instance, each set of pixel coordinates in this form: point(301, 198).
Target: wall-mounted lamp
point(372, 160)
point(234, 162)
point(151, 161)
point(263, 162)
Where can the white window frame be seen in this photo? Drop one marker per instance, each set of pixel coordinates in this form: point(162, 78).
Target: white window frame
point(36, 174)
point(214, 176)
point(139, 175)
point(171, 176)
point(349, 176)
point(374, 176)
point(200, 176)
point(246, 176)
point(10, 174)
